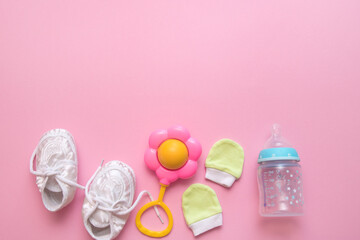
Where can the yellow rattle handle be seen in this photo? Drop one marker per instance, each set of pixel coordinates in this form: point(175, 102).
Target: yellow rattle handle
point(158, 202)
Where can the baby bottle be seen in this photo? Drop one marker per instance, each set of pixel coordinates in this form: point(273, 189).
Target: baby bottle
point(279, 178)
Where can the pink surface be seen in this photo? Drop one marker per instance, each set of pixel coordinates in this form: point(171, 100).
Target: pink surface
point(113, 71)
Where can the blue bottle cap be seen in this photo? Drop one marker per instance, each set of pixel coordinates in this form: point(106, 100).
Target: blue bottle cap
point(273, 154)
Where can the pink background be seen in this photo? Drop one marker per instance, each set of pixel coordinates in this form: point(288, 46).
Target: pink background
point(112, 71)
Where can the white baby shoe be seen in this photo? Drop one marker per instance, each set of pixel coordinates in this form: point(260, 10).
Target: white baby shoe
point(56, 168)
point(108, 198)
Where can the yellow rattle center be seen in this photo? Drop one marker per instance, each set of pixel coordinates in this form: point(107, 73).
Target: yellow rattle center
point(173, 154)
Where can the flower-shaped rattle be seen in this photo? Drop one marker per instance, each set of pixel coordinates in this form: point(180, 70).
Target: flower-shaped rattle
point(172, 154)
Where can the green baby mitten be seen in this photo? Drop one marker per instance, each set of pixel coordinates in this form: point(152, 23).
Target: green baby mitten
point(201, 208)
point(224, 164)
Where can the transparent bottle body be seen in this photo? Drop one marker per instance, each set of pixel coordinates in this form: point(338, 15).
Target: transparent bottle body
point(280, 188)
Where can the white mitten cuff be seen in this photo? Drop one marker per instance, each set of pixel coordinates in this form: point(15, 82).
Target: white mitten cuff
point(223, 178)
point(206, 224)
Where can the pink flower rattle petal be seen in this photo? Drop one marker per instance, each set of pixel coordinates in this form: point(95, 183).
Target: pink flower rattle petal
point(194, 148)
point(188, 170)
point(151, 160)
point(157, 137)
point(178, 132)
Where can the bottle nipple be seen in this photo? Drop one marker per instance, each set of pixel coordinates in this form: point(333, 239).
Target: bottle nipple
point(276, 140)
